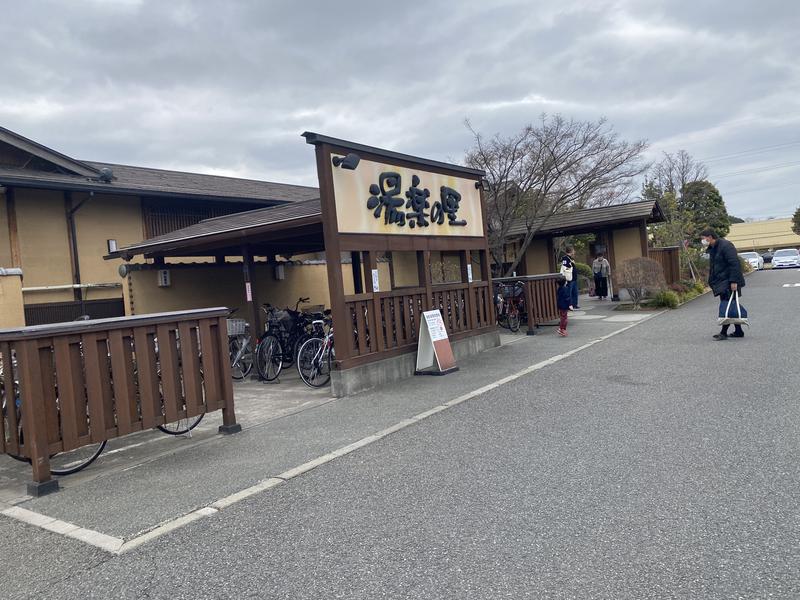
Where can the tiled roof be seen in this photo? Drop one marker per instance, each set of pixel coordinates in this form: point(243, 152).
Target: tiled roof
point(158, 182)
point(588, 217)
point(235, 225)
point(77, 175)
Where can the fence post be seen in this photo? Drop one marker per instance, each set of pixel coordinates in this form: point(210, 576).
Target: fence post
point(34, 421)
point(229, 424)
point(529, 306)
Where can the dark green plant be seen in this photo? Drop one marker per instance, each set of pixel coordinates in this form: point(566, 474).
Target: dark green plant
point(666, 298)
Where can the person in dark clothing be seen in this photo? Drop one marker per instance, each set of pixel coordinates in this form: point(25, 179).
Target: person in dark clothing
point(564, 303)
point(724, 275)
point(570, 272)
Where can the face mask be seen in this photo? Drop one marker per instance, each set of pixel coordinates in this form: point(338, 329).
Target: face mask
point(704, 242)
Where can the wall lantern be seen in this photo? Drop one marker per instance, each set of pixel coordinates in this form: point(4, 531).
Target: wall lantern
point(280, 272)
point(349, 162)
point(482, 185)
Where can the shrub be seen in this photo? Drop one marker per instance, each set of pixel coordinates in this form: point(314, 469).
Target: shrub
point(699, 287)
point(585, 276)
point(689, 295)
point(584, 269)
point(666, 298)
point(640, 276)
point(678, 288)
point(746, 268)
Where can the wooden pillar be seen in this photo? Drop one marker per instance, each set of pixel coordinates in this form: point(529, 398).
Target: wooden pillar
point(13, 233)
point(530, 308)
point(358, 279)
point(551, 255)
point(343, 329)
point(469, 302)
point(376, 322)
point(609, 236)
point(35, 421)
point(72, 242)
point(248, 271)
point(643, 236)
point(424, 273)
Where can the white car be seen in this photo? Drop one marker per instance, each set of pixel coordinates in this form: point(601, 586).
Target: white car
point(788, 257)
point(754, 259)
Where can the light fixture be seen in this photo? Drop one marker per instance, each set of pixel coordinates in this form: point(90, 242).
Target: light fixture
point(349, 162)
point(112, 246)
point(482, 184)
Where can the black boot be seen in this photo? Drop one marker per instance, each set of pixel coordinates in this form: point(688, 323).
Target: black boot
point(723, 334)
point(738, 332)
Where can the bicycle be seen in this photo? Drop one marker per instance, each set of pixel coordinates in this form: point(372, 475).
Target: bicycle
point(508, 303)
point(286, 331)
point(239, 348)
point(315, 357)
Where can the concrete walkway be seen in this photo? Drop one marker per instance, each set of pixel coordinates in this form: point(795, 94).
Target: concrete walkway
point(145, 480)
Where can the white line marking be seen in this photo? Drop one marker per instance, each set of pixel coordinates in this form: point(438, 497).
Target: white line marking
point(114, 545)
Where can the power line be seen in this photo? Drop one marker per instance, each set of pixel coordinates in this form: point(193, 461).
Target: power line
point(757, 170)
point(758, 189)
point(760, 150)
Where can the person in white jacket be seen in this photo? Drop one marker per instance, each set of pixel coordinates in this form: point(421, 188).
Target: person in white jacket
point(602, 271)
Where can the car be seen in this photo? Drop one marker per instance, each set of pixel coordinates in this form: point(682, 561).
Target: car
point(788, 257)
point(767, 256)
point(753, 259)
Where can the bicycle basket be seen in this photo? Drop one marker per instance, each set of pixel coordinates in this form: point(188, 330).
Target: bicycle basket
point(237, 327)
point(512, 291)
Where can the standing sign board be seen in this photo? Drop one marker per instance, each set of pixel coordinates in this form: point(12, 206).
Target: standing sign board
point(434, 353)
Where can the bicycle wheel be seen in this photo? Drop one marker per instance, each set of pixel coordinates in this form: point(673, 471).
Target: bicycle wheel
point(67, 463)
point(182, 426)
point(313, 364)
point(241, 360)
point(269, 358)
point(513, 320)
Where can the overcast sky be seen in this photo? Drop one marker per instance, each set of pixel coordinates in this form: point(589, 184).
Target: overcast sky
point(227, 87)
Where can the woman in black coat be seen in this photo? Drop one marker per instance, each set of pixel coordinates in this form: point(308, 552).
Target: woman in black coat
point(724, 275)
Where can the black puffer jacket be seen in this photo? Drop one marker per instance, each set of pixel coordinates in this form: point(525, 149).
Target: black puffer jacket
point(725, 267)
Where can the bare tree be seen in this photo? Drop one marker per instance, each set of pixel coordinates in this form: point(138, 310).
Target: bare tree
point(640, 276)
point(667, 182)
point(553, 166)
point(674, 171)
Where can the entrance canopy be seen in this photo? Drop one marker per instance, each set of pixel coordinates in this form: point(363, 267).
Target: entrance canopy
point(591, 220)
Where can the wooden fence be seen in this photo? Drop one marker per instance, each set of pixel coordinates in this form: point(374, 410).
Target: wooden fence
point(669, 259)
point(387, 323)
point(89, 381)
point(540, 297)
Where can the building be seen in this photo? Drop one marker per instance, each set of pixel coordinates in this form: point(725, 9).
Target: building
point(771, 234)
point(59, 216)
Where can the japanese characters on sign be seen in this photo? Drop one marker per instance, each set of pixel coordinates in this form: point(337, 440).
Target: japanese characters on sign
point(385, 201)
point(380, 198)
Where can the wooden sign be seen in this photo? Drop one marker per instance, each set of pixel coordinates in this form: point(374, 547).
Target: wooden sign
point(434, 353)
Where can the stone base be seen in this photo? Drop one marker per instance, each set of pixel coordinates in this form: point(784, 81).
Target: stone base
point(358, 379)
point(229, 429)
point(37, 489)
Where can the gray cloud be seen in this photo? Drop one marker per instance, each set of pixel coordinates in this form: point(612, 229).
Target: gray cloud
point(227, 87)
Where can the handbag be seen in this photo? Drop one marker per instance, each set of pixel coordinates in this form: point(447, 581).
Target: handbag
point(730, 314)
point(566, 272)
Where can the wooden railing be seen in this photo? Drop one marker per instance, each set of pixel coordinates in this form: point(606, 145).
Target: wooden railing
point(669, 259)
point(540, 297)
point(385, 323)
point(85, 382)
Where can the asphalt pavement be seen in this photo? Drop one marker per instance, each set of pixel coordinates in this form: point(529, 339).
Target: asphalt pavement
point(657, 463)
